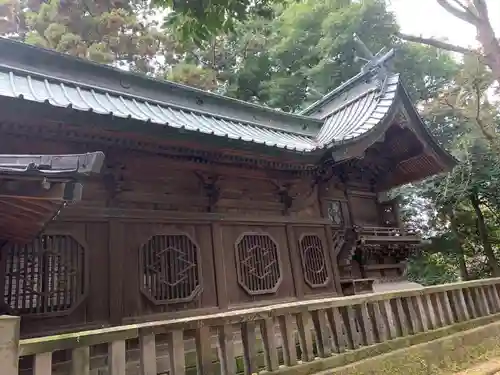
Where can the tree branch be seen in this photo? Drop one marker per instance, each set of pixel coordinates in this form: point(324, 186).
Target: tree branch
point(437, 43)
point(465, 15)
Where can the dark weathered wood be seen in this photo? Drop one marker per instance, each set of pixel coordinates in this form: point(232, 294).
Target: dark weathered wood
point(43, 364)
point(269, 341)
point(249, 341)
point(116, 274)
point(305, 327)
point(322, 332)
point(440, 316)
point(295, 262)
point(117, 357)
point(176, 353)
point(203, 339)
point(287, 336)
point(147, 346)
point(220, 267)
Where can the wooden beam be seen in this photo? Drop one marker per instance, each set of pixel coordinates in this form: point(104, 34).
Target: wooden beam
point(56, 191)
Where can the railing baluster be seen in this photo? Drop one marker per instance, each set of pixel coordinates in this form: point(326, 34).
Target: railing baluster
point(289, 347)
point(422, 314)
point(43, 364)
point(469, 299)
point(450, 319)
point(335, 320)
point(380, 323)
point(176, 355)
point(249, 347)
point(415, 323)
point(203, 341)
point(484, 300)
point(269, 339)
point(390, 319)
point(147, 344)
point(403, 320)
point(323, 341)
point(494, 297)
point(476, 295)
point(116, 353)
point(80, 361)
point(460, 305)
point(429, 307)
point(366, 325)
point(304, 326)
point(349, 318)
point(225, 336)
point(441, 319)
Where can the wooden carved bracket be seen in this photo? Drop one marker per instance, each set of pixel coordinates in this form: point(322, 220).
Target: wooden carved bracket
point(113, 179)
point(283, 191)
point(212, 191)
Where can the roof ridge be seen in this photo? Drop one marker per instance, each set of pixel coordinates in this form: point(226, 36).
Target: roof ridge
point(372, 67)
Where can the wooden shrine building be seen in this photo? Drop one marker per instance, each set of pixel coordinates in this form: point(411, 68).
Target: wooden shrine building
point(204, 203)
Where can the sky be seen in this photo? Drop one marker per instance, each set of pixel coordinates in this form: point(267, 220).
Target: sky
point(428, 19)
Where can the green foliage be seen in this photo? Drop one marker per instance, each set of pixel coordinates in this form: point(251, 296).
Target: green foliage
point(102, 31)
point(201, 20)
point(432, 269)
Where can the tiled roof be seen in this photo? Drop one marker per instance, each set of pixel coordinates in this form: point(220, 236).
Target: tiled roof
point(344, 114)
point(348, 115)
point(355, 112)
point(81, 98)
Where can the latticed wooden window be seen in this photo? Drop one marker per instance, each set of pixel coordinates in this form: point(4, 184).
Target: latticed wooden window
point(46, 276)
point(335, 212)
point(258, 263)
point(171, 269)
point(313, 261)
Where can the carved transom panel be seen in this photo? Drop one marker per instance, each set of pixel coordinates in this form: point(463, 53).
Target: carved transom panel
point(171, 268)
point(258, 263)
point(313, 261)
point(335, 212)
point(46, 276)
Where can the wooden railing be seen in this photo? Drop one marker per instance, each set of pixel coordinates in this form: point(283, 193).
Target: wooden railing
point(272, 337)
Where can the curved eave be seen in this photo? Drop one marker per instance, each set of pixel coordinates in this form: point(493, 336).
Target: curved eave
point(447, 161)
point(355, 146)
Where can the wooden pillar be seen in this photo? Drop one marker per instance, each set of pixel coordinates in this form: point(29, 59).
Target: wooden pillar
point(9, 344)
point(220, 267)
point(295, 262)
point(116, 246)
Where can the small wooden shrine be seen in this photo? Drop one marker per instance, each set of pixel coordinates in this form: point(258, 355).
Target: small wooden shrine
point(204, 203)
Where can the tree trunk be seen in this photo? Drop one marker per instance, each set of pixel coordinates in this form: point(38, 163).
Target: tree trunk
point(483, 234)
point(491, 47)
point(464, 273)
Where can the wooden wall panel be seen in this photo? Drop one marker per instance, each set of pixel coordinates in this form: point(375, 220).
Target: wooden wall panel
point(135, 304)
point(94, 310)
point(329, 287)
point(236, 295)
